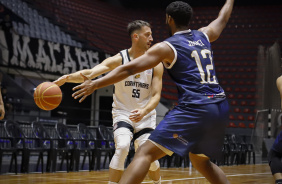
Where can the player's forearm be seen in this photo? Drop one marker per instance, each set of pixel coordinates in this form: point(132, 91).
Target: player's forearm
point(152, 104)
point(90, 73)
point(98, 70)
point(226, 10)
point(76, 77)
point(118, 74)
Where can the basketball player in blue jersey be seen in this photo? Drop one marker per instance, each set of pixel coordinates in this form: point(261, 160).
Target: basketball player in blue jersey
point(197, 125)
point(275, 154)
point(135, 99)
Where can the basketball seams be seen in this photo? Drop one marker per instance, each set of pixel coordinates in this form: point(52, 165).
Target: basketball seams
point(48, 102)
point(41, 105)
point(54, 85)
point(42, 100)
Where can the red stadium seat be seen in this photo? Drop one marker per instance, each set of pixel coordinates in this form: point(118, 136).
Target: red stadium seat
point(233, 82)
point(246, 110)
point(252, 103)
point(231, 96)
point(242, 125)
point(240, 117)
point(240, 96)
point(243, 103)
point(249, 96)
point(251, 118)
point(237, 110)
point(237, 89)
point(228, 89)
point(233, 102)
point(241, 82)
point(224, 82)
point(251, 125)
point(232, 125)
point(231, 117)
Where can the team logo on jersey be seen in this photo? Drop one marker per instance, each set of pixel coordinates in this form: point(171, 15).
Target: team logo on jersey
point(198, 42)
point(149, 72)
point(180, 138)
point(210, 96)
point(137, 76)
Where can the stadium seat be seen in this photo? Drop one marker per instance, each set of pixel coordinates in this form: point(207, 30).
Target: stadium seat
point(243, 103)
point(231, 117)
point(242, 125)
point(232, 125)
point(246, 110)
point(251, 125)
point(233, 102)
point(240, 117)
point(228, 89)
point(240, 96)
point(231, 96)
point(237, 110)
point(251, 118)
point(252, 103)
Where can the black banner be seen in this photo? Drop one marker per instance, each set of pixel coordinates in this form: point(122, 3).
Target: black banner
point(23, 52)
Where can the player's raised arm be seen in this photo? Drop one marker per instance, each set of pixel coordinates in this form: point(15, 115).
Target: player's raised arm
point(214, 29)
point(106, 66)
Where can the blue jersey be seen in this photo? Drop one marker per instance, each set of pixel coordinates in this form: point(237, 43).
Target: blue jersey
point(277, 146)
point(193, 68)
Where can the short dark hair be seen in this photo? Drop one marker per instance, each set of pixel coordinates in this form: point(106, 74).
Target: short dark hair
point(136, 25)
point(181, 13)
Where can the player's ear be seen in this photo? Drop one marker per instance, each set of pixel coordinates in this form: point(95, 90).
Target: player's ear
point(135, 36)
point(168, 18)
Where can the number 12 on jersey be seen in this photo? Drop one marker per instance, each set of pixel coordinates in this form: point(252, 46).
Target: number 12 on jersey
point(210, 79)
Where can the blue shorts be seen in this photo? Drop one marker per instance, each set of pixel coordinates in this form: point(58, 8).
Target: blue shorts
point(198, 129)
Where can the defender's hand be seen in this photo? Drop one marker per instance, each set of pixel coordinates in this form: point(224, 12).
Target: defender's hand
point(84, 89)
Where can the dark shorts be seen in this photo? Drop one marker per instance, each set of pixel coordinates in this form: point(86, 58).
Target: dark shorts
point(274, 161)
point(198, 129)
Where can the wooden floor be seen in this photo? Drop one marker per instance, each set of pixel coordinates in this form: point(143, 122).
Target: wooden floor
point(249, 174)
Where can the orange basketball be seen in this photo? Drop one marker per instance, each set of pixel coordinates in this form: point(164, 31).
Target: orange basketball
point(47, 96)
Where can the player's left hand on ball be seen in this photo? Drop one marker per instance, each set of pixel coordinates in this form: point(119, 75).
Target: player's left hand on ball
point(136, 115)
point(84, 89)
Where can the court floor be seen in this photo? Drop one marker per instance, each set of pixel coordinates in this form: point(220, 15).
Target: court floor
point(242, 174)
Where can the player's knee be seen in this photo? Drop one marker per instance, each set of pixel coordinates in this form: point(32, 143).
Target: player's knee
point(119, 157)
point(154, 165)
point(122, 149)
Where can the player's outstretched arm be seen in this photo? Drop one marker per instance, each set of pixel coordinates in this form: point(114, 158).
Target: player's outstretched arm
point(279, 86)
point(107, 65)
point(156, 86)
point(215, 28)
point(156, 54)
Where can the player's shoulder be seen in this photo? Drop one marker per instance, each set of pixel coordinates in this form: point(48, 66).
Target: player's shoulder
point(116, 58)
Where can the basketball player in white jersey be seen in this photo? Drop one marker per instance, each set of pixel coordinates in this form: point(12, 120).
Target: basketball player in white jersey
point(135, 99)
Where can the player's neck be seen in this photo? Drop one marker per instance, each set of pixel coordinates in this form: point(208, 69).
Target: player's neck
point(177, 29)
point(135, 52)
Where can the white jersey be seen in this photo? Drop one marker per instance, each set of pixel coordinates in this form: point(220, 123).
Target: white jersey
point(134, 92)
